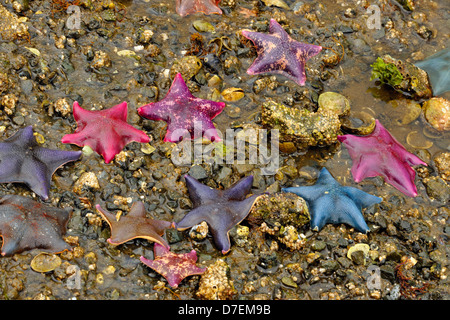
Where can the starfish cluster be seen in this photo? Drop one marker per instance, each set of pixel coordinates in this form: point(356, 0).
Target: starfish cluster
point(26, 224)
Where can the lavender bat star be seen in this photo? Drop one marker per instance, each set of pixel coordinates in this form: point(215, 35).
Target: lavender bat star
point(174, 267)
point(221, 209)
point(280, 54)
point(186, 115)
point(23, 160)
point(331, 202)
point(380, 154)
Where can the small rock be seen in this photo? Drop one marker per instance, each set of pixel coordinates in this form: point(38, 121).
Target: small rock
point(19, 120)
point(288, 281)
point(62, 107)
point(437, 113)
point(198, 172)
point(224, 174)
point(329, 265)
point(199, 231)
point(318, 245)
point(358, 253)
point(437, 189)
point(86, 180)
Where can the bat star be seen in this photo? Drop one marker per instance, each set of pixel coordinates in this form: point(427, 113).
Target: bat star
point(185, 7)
point(174, 267)
point(23, 160)
point(278, 53)
point(105, 131)
point(380, 154)
point(26, 224)
point(330, 202)
point(221, 209)
point(135, 225)
point(186, 115)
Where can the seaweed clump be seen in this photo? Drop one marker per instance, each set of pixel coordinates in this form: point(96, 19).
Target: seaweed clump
point(404, 77)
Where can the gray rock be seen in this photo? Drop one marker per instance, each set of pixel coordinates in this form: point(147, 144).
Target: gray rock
point(198, 172)
point(318, 245)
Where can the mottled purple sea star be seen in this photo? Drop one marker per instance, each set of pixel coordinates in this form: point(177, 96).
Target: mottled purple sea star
point(278, 53)
point(186, 115)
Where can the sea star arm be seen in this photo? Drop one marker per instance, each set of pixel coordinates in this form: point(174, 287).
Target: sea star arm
point(362, 199)
point(337, 209)
point(309, 193)
point(239, 190)
point(199, 192)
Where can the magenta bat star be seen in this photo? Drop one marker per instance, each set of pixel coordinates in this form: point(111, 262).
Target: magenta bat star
point(185, 7)
point(280, 54)
point(186, 116)
point(174, 267)
point(380, 154)
point(105, 131)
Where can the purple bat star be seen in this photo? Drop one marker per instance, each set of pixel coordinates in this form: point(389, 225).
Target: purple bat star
point(380, 154)
point(174, 267)
point(23, 160)
point(221, 209)
point(279, 53)
point(186, 115)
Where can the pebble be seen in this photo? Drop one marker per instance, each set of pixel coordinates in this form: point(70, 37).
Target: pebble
point(198, 172)
point(86, 180)
point(224, 174)
point(318, 245)
point(358, 253)
point(437, 189)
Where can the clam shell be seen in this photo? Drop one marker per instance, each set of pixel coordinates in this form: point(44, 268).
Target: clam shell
point(45, 262)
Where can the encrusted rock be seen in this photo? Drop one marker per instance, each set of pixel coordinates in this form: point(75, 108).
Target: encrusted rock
point(442, 162)
point(280, 215)
point(86, 180)
point(8, 102)
point(101, 59)
point(188, 66)
point(215, 283)
point(280, 208)
point(302, 127)
point(402, 76)
point(11, 28)
point(62, 107)
point(437, 113)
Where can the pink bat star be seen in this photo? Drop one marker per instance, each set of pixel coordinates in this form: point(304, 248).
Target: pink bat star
point(105, 131)
point(380, 154)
